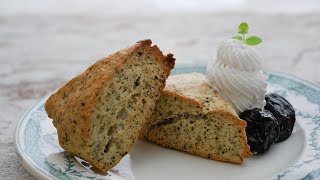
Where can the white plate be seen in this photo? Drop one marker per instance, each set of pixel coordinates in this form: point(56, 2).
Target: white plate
point(298, 157)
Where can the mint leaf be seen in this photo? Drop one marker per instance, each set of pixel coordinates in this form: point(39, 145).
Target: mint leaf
point(243, 28)
point(253, 40)
point(237, 37)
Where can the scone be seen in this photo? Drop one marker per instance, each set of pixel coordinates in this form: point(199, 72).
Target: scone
point(192, 117)
point(99, 113)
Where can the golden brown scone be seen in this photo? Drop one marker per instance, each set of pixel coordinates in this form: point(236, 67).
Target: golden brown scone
point(192, 117)
point(99, 113)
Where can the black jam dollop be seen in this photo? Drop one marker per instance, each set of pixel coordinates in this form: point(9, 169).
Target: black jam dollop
point(262, 129)
point(283, 111)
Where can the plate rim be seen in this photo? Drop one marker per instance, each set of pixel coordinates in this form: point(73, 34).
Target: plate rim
point(30, 167)
point(38, 173)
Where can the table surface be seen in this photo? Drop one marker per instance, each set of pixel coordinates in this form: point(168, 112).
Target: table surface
point(41, 48)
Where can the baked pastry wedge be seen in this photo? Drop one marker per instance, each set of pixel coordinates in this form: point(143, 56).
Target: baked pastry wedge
point(192, 117)
point(99, 113)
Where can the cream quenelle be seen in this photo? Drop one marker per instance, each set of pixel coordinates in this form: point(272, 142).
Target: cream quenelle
point(237, 75)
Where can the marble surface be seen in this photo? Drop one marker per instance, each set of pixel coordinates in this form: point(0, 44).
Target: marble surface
point(41, 51)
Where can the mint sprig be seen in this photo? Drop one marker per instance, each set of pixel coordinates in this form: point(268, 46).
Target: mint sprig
point(243, 29)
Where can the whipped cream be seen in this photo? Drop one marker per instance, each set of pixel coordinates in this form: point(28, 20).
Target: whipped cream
point(237, 75)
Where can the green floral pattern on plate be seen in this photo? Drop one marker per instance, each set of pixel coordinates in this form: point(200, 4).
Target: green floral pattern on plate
point(37, 143)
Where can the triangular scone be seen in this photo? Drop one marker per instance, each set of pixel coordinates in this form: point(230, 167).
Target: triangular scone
point(192, 117)
point(99, 113)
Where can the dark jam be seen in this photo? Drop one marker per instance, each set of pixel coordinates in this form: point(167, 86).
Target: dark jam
point(262, 129)
point(283, 111)
point(272, 124)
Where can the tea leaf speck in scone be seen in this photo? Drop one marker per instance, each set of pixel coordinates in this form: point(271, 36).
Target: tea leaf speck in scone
point(99, 113)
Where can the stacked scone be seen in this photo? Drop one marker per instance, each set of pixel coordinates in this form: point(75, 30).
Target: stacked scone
point(99, 113)
point(191, 116)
